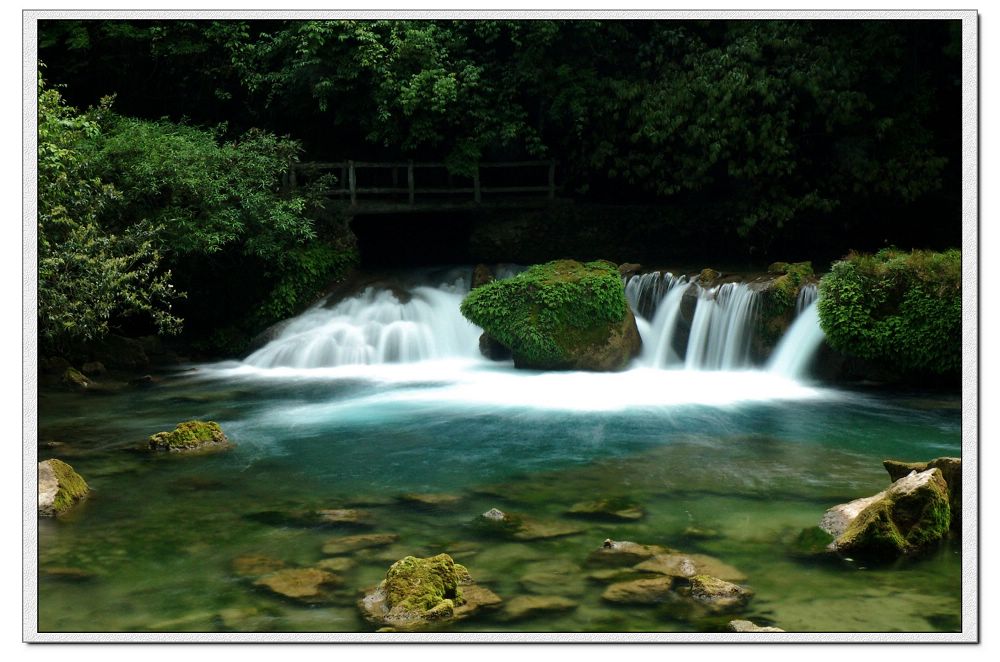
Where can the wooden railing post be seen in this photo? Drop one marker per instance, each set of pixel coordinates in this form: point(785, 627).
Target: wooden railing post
point(352, 183)
point(409, 179)
point(552, 180)
point(476, 193)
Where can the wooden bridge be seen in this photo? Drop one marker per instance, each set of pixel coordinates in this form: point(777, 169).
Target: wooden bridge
point(378, 187)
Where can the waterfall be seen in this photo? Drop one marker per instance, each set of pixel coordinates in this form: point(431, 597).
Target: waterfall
point(718, 333)
point(799, 345)
point(807, 294)
point(376, 326)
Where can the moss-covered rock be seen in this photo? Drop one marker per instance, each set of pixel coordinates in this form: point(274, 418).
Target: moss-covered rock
point(951, 471)
point(59, 488)
point(417, 593)
point(909, 517)
point(189, 437)
point(718, 595)
point(75, 379)
point(562, 315)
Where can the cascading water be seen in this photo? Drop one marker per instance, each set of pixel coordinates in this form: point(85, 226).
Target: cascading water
point(799, 345)
point(807, 294)
point(719, 331)
point(376, 326)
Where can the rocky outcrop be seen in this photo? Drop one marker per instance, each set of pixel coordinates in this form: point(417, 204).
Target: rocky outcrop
point(59, 488)
point(908, 517)
point(190, 437)
point(951, 471)
point(417, 593)
point(562, 315)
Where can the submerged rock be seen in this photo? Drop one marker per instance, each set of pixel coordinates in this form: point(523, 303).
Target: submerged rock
point(191, 437)
point(615, 508)
point(529, 606)
point(640, 591)
point(348, 544)
point(328, 517)
point(436, 499)
point(750, 626)
point(689, 565)
point(336, 564)
point(951, 471)
point(718, 595)
point(623, 552)
point(519, 527)
point(59, 488)
point(562, 315)
point(417, 593)
point(254, 565)
point(303, 584)
point(908, 517)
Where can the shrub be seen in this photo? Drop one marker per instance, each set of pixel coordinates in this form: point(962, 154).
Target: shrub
point(898, 308)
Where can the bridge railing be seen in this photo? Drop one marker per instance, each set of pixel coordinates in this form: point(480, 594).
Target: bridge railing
point(348, 187)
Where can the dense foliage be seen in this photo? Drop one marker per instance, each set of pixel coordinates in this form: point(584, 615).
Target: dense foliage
point(778, 123)
point(545, 311)
point(87, 274)
point(903, 309)
point(129, 209)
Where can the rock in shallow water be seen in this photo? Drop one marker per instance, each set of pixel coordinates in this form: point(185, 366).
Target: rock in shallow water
point(303, 584)
point(908, 517)
point(529, 606)
point(59, 488)
point(518, 527)
point(191, 437)
point(718, 595)
point(619, 509)
point(255, 565)
point(348, 544)
point(623, 552)
point(689, 565)
point(417, 593)
point(951, 471)
point(749, 626)
point(640, 591)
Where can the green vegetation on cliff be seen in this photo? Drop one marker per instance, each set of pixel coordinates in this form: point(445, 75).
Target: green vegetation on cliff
point(551, 311)
point(902, 309)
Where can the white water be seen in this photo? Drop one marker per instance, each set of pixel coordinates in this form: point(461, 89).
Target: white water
point(795, 351)
point(376, 337)
point(375, 327)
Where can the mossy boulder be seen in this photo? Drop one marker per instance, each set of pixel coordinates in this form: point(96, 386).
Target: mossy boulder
point(75, 379)
point(190, 437)
point(419, 592)
point(718, 595)
point(59, 488)
point(562, 315)
point(909, 517)
point(951, 471)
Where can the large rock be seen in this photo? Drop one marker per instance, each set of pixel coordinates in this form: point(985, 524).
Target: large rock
point(561, 315)
point(951, 471)
point(59, 488)
point(191, 437)
point(417, 593)
point(908, 517)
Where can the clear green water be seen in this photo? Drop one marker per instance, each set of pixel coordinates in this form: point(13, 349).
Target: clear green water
point(158, 536)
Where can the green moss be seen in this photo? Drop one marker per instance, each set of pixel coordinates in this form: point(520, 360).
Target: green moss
point(189, 435)
point(812, 540)
point(429, 587)
point(551, 310)
point(901, 309)
point(72, 486)
point(900, 523)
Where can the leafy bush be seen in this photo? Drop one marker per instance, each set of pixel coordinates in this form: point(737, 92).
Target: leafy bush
point(549, 308)
point(86, 274)
point(902, 309)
